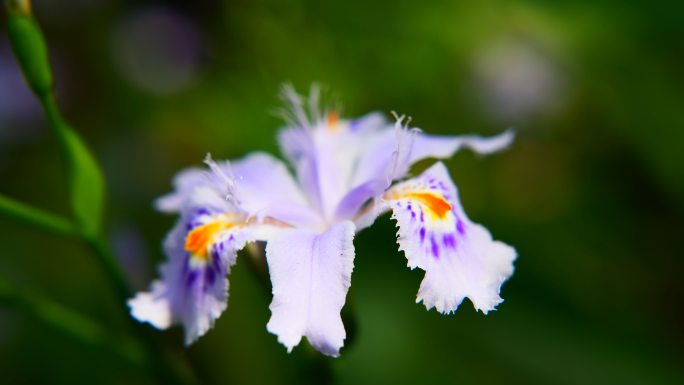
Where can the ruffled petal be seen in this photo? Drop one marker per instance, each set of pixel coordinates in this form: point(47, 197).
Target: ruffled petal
point(459, 257)
point(311, 274)
point(201, 249)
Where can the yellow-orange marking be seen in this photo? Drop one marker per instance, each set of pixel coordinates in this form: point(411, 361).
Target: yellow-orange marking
point(333, 118)
point(437, 204)
point(198, 240)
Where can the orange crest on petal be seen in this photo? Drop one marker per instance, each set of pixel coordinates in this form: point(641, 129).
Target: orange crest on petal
point(437, 204)
point(198, 240)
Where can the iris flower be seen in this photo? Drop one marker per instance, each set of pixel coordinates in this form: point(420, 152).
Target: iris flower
point(346, 174)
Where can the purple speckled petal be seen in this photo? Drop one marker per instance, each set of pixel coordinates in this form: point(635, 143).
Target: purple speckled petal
point(193, 289)
point(459, 257)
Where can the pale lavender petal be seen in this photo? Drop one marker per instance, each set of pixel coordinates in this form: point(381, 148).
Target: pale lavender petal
point(459, 257)
point(298, 146)
point(377, 168)
point(184, 182)
point(350, 205)
point(441, 147)
point(324, 151)
point(311, 274)
point(368, 123)
point(264, 187)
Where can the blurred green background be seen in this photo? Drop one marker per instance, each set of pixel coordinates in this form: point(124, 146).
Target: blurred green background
point(591, 194)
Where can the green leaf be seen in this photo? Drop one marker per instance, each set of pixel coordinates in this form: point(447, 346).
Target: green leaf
point(24, 213)
point(87, 183)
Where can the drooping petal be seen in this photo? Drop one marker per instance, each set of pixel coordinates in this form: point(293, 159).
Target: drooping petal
point(201, 249)
point(311, 274)
point(459, 257)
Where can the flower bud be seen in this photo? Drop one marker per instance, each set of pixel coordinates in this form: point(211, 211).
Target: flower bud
point(29, 46)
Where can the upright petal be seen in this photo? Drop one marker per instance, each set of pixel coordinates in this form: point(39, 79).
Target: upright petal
point(325, 156)
point(311, 274)
point(324, 149)
point(201, 249)
point(184, 182)
point(459, 257)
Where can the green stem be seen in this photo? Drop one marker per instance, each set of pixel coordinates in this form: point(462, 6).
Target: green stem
point(26, 214)
point(73, 323)
point(169, 368)
point(54, 118)
point(100, 247)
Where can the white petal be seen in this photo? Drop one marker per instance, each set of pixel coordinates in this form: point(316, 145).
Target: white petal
point(311, 274)
point(459, 257)
point(152, 307)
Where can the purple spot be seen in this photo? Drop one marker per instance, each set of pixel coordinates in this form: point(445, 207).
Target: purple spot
point(422, 235)
point(398, 204)
point(435, 248)
point(422, 219)
point(202, 212)
point(190, 278)
point(449, 240)
point(216, 263)
point(460, 227)
point(210, 275)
